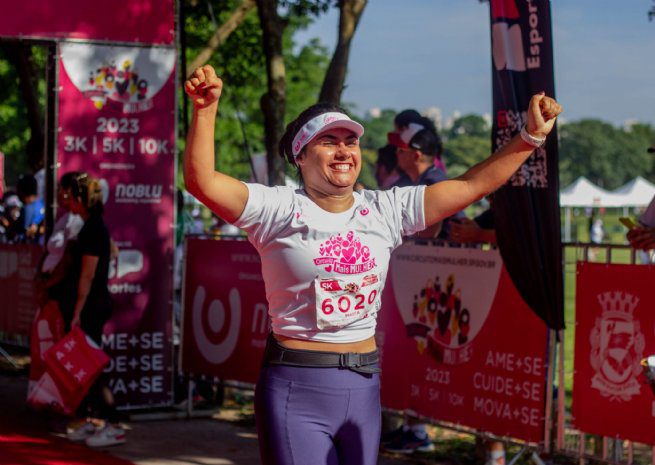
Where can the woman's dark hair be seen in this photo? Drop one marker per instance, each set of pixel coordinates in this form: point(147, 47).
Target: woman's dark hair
point(67, 179)
point(405, 117)
point(88, 190)
point(387, 157)
point(284, 147)
point(26, 186)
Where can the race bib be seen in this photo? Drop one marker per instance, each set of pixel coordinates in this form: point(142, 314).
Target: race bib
point(340, 301)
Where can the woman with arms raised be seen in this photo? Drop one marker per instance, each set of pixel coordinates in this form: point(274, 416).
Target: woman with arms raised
point(325, 251)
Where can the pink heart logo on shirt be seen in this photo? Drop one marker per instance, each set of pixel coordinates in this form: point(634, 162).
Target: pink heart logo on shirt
point(348, 254)
point(328, 268)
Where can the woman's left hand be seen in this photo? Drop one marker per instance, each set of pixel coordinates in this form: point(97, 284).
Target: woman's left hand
point(542, 112)
point(75, 321)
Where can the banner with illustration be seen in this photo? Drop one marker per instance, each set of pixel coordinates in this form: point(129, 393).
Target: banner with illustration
point(526, 208)
point(141, 21)
point(225, 311)
point(459, 344)
point(613, 332)
point(116, 118)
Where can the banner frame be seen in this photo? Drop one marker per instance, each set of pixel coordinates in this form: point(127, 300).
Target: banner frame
point(169, 372)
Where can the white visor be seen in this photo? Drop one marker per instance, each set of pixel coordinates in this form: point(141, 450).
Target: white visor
point(319, 124)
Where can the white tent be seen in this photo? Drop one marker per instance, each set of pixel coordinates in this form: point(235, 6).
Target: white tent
point(636, 193)
point(584, 193)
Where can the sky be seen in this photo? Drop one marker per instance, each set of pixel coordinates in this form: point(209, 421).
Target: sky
point(425, 53)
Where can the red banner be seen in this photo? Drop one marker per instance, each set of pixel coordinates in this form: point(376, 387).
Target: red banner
point(225, 311)
point(142, 21)
point(614, 331)
point(459, 344)
point(117, 122)
point(18, 301)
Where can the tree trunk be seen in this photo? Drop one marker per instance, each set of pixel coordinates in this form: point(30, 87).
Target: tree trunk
point(21, 56)
point(221, 34)
point(274, 100)
point(350, 12)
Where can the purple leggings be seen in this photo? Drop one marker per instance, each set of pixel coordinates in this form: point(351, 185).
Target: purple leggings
point(317, 416)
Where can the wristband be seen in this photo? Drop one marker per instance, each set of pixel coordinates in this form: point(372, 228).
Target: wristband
point(530, 139)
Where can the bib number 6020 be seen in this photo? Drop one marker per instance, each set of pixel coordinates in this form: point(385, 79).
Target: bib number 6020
point(345, 302)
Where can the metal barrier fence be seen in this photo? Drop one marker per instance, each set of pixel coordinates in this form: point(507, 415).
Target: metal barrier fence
point(572, 442)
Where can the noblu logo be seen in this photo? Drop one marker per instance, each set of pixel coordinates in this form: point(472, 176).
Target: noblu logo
point(507, 39)
point(138, 193)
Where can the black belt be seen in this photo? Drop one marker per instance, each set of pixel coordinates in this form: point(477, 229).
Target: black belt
point(277, 354)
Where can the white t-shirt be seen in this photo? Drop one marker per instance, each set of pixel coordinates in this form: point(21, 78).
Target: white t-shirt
point(323, 271)
point(66, 228)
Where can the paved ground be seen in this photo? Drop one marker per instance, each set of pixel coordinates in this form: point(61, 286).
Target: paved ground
point(226, 438)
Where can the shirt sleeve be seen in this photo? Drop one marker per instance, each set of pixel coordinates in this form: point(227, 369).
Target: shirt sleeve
point(406, 210)
point(267, 211)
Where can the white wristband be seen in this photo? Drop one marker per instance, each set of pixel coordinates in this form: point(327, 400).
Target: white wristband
point(530, 139)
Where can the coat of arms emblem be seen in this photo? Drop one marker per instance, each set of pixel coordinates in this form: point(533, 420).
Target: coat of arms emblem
point(617, 346)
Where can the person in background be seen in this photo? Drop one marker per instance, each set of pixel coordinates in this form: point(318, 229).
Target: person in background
point(480, 229)
point(10, 224)
point(403, 120)
point(56, 261)
point(92, 306)
point(416, 147)
point(33, 211)
point(386, 167)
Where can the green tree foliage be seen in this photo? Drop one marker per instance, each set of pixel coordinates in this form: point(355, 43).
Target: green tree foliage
point(240, 62)
point(466, 143)
point(606, 155)
point(16, 132)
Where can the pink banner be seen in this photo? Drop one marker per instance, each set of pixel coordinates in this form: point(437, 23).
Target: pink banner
point(117, 122)
point(613, 332)
point(18, 304)
point(142, 21)
point(225, 311)
point(459, 344)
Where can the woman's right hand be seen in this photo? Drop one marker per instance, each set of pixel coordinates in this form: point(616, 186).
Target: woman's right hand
point(204, 87)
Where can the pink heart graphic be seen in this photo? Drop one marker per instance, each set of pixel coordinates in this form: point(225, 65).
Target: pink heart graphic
point(328, 268)
point(321, 251)
point(328, 249)
point(348, 254)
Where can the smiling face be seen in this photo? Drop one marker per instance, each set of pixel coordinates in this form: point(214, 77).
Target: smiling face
point(331, 162)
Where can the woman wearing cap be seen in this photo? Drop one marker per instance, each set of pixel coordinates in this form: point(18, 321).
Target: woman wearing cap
point(325, 250)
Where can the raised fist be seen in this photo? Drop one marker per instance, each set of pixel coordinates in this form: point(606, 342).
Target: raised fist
point(542, 112)
point(204, 87)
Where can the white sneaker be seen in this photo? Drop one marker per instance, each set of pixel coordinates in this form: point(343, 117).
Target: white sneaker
point(81, 432)
point(107, 436)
